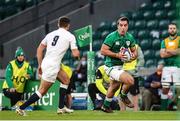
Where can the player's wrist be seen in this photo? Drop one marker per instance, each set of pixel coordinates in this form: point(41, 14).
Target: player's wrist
point(117, 55)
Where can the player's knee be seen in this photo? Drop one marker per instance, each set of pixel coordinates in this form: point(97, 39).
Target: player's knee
point(130, 80)
point(42, 91)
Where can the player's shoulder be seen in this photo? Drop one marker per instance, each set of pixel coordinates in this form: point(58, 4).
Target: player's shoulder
point(129, 35)
point(66, 33)
point(112, 35)
point(51, 34)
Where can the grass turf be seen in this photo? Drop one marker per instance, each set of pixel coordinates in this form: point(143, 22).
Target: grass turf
point(92, 115)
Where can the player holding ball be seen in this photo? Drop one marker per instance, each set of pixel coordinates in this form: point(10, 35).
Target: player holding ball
point(114, 50)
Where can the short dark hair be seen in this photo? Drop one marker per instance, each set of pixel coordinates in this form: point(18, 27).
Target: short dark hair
point(123, 18)
point(63, 21)
point(172, 24)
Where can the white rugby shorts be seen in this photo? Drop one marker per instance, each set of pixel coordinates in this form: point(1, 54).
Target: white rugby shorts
point(50, 71)
point(170, 75)
point(114, 72)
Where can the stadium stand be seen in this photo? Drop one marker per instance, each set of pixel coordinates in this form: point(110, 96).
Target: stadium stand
point(11, 7)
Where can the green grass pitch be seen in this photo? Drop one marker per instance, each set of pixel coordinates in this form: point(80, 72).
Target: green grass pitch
point(92, 115)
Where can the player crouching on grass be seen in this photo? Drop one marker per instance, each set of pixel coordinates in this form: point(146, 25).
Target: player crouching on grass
point(111, 47)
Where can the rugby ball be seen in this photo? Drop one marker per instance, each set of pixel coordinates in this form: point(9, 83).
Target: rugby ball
point(128, 54)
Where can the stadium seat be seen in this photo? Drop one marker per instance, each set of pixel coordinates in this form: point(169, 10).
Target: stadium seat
point(97, 45)
point(157, 54)
point(174, 21)
point(161, 14)
point(158, 5)
point(160, 61)
point(164, 34)
point(148, 54)
point(104, 34)
point(20, 4)
point(2, 3)
point(148, 15)
point(156, 44)
point(131, 25)
point(104, 26)
point(10, 10)
point(154, 34)
point(96, 35)
point(150, 63)
point(152, 24)
point(134, 33)
point(141, 24)
point(127, 14)
point(145, 6)
point(113, 25)
point(168, 5)
point(2, 13)
point(137, 15)
point(10, 2)
point(163, 24)
point(145, 44)
point(171, 14)
point(142, 34)
point(30, 3)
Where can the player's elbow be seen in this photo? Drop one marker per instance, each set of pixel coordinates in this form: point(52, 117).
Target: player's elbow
point(75, 53)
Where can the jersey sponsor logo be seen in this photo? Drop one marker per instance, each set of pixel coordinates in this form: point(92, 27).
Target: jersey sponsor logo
point(127, 42)
point(117, 43)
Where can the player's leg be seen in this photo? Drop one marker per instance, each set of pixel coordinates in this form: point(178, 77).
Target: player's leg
point(122, 106)
point(118, 76)
point(135, 100)
point(13, 96)
point(127, 81)
point(134, 91)
point(63, 77)
point(92, 91)
point(68, 100)
point(166, 80)
point(44, 86)
point(114, 86)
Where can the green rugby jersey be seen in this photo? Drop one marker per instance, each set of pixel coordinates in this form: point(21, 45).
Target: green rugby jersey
point(172, 44)
point(115, 41)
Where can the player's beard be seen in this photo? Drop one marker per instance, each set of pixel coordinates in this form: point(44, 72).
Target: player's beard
point(173, 34)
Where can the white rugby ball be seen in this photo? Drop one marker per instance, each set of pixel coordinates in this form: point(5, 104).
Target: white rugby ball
point(128, 54)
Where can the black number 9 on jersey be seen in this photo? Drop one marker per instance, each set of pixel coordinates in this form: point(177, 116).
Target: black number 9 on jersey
point(55, 39)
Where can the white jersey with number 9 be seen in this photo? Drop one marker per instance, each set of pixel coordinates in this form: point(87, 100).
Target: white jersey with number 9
point(57, 43)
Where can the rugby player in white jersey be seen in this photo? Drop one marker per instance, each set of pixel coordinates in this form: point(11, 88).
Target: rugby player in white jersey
point(56, 44)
